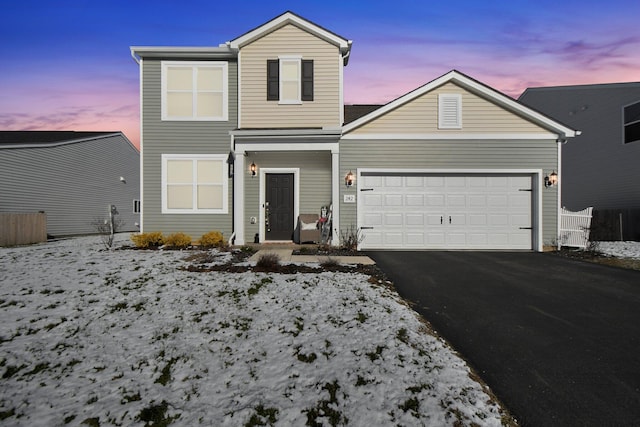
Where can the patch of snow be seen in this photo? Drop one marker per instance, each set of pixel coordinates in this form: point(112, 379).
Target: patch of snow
point(125, 337)
point(619, 249)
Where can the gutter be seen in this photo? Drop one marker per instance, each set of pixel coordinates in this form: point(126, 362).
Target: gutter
point(134, 56)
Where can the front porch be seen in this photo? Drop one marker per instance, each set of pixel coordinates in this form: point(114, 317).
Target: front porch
point(279, 178)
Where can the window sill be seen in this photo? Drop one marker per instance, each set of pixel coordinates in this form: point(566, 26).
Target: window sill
point(289, 102)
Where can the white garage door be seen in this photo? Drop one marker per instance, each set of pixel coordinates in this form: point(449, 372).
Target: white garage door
point(453, 211)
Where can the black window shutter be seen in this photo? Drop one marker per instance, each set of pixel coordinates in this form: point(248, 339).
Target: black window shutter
point(273, 80)
point(307, 80)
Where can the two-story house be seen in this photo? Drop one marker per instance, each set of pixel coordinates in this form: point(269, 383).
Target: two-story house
point(601, 165)
point(246, 136)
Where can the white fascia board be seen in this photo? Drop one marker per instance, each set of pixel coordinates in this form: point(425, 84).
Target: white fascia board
point(243, 147)
point(526, 171)
point(179, 51)
point(474, 86)
point(287, 133)
point(289, 18)
point(450, 136)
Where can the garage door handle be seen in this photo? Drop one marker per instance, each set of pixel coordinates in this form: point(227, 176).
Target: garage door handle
point(366, 228)
point(526, 228)
point(449, 220)
point(441, 219)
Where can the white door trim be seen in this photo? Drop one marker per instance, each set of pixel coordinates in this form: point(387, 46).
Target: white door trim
point(536, 199)
point(263, 190)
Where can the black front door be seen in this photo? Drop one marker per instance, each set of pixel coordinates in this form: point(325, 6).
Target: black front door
point(279, 221)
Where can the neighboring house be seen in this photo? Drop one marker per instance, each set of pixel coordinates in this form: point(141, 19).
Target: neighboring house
point(74, 177)
point(246, 136)
point(600, 168)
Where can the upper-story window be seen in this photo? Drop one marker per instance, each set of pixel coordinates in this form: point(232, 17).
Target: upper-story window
point(449, 111)
point(194, 91)
point(290, 80)
point(632, 123)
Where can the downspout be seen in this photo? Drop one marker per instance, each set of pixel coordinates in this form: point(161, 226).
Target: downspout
point(560, 142)
point(232, 238)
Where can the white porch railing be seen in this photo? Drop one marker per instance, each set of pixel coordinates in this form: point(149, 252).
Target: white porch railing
point(575, 227)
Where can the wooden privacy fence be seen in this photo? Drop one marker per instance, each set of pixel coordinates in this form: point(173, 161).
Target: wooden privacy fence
point(575, 227)
point(22, 228)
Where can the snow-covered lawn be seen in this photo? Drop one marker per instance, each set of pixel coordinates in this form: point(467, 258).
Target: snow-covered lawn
point(619, 249)
point(96, 337)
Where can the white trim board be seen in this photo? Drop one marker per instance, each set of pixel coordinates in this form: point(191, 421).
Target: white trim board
point(451, 136)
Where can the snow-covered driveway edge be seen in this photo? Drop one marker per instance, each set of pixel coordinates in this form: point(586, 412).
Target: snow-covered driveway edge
point(126, 338)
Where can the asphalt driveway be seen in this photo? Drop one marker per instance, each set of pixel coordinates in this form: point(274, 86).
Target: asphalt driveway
point(557, 340)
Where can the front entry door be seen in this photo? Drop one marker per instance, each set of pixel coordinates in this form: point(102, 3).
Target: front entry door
point(279, 221)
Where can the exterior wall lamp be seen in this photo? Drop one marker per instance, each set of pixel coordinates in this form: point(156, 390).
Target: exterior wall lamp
point(551, 180)
point(348, 179)
point(253, 168)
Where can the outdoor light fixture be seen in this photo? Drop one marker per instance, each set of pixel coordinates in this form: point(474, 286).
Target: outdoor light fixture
point(348, 180)
point(253, 168)
point(551, 179)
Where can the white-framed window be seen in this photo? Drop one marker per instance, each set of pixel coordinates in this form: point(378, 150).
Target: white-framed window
point(195, 183)
point(631, 124)
point(290, 79)
point(449, 111)
point(136, 206)
point(195, 90)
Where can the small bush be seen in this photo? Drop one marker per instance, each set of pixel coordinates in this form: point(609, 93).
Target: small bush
point(148, 240)
point(212, 239)
point(178, 241)
point(268, 262)
point(330, 263)
point(350, 238)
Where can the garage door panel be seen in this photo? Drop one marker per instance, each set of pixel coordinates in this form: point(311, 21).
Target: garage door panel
point(447, 211)
point(393, 219)
point(415, 200)
point(393, 181)
point(436, 200)
point(372, 219)
point(392, 200)
point(478, 219)
point(372, 200)
point(521, 220)
point(415, 239)
point(435, 219)
point(456, 200)
point(372, 181)
point(478, 239)
point(413, 219)
point(393, 239)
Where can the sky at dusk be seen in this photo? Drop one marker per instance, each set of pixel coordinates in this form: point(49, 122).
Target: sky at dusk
point(66, 65)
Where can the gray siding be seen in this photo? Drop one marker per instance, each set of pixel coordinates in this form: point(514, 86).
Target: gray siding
point(73, 183)
point(597, 168)
point(180, 137)
point(451, 154)
point(315, 182)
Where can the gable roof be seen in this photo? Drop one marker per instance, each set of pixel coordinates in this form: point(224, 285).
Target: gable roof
point(291, 18)
point(476, 87)
point(48, 138)
point(355, 111)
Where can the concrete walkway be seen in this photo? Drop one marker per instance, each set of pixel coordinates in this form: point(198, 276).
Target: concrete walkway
point(286, 256)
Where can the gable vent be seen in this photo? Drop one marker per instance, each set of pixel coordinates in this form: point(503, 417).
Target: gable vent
point(449, 111)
